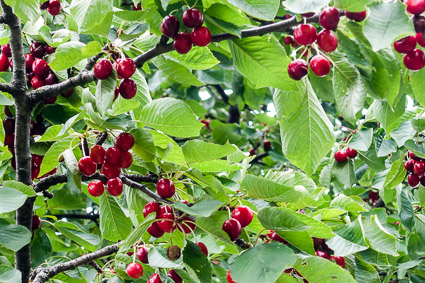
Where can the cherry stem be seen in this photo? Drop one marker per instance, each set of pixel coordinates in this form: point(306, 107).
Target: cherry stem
point(258, 237)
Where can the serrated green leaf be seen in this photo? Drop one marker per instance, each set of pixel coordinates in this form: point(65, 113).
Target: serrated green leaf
point(114, 225)
point(300, 7)
point(50, 160)
point(105, 91)
point(196, 263)
point(29, 191)
point(71, 231)
point(261, 9)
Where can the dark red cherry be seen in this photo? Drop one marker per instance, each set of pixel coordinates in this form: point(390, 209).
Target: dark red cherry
point(413, 180)
point(7, 112)
point(422, 180)
point(406, 44)
point(419, 23)
point(97, 154)
point(54, 7)
point(113, 155)
point(233, 228)
point(37, 129)
point(288, 40)
point(155, 231)
point(125, 68)
point(267, 145)
point(50, 100)
point(40, 68)
point(419, 168)
point(201, 36)
point(29, 59)
point(50, 49)
point(51, 79)
point(193, 18)
point(115, 186)
point(102, 69)
point(87, 166)
point(167, 224)
point(203, 248)
point(36, 222)
point(182, 42)
point(151, 207)
point(128, 88)
point(96, 188)
point(322, 254)
point(110, 171)
point(9, 140)
point(356, 16)
point(37, 50)
point(136, 8)
point(329, 18)
point(68, 93)
point(305, 34)
point(415, 7)
point(142, 254)
point(44, 5)
point(320, 65)
point(124, 141)
point(4, 63)
point(174, 276)
point(414, 60)
point(36, 82)
point(351, 153)
point(420, 39)
point(339, 260)
point(9, 126)
point(165, 188)
point(340, 156)
point(243, 214)
point(5, 49)
point(409, 165)
point(170, 26)
point(297, 69)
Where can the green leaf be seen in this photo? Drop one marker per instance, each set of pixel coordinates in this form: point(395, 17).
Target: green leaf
point(60, 36)
point(300, 7)
point(361, 140)
point(25, 9)
point(92, 16)
point(199, 58)
point(365, 273)
point(71, 161)
point(50, 160)
point(13, 236)
point(396, 174)
point(70, 53)
point(143, 144)
point(136, 234)
point(29, 191)
point(105, 91)
point(157, 258)
point(417, 149)
point(196, 263)
point(11, 199)
point(263, 263)
point(172, 152)
point(114, 225)
point(200, 208)
point(73, 232)
point(142, 96)
point(378, 237)
point(407, 213)
point(171, 116)
point(346, 203)
point(261, 9)
point(212, 225)
point(198, 150)
point(418, 85)
point(65, 199)
point(175, 71)
point(386, 115)
point(263, 61)
point(386, 22)
point(352, 5)
point(9, 274)
point(344, 173)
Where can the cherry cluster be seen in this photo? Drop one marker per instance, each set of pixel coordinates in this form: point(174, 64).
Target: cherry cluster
point(241, 217)
point(338, 259)
point(192, 18)
point(52, 6)
point(136, 8)
point(416, 167)
point(342, 155)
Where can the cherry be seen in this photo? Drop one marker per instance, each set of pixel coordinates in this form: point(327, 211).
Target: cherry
point(415, 7)
point(50, 49)
point(267, 145)
point(125, 67)
point(36, 222)
point(289, 40)
point(155, 231)
point(414, 60)
point(135, 270)
point(87, 166)
point(351, 153)
point(420, 39)
point(422, 180)
point(275, 237)
point(308, 15)
point(9, 140)
point(165, 209)
point(340, 156)
point(29, 59)
point(419, 23)
point(305, 34)
point(165, 188)
point(229, 278)
point(37, 50)
point(233, 228)
point(110, 171)
point(9, 126)
point(413, 180)
point(201, 36)
point(97, 154)
point(114, 186)
point(406, 44)
point(151, 207)
point(154, 279)
point(170, 26)
point(186, 225)
point(252, 152)
point(44, 5)
point(136, 8)
point(322, 254)
point(329, 18)
point(409, 165)
point(320, 65)
point(166, 225)
point(356, 16)
point(68, 93)
point(102, 69)
point(5, 49)
point(124, 141)
point(54, 7)
point(37, 159)
point(373, 196)
point(182, 42)
point(297, 69)
point(37, 129)
point(96, 188)
point(4, 63)
point(113, 155)
point(40, 68)
point(116, 93)
point(193, 18)
point(128, 88)
point(51, 79)
point(7, 112)
point(419, 168)
point(50, 100)
point(174, 252)
point(339, 260)
point(174, 276)
point(142, 254)
point(243, 214)
point(203, 248)
point(206, 123)
point(126, 159)
point(414, 157)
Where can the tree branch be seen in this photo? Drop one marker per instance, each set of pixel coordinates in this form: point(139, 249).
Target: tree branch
point(77, 216)
point(144, 189)
point(258, 157)
point(41, 275)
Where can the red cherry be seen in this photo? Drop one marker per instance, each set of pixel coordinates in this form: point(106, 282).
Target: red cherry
point(409, 165)
point(36, 82)
point(419, 168)
point(243, 214)
point(413, 180)
point(206, 123)
point(414, 157)
point(124, 141)
point(233, 228)
point(50, 100)
point(308, 15)
point(201, 36)
point(128, 88)
point(166, 225)
point(340, 156)
point(116, 93)
point(37, 50)
point(97, 154)
point(188, 225)
point(36, 222)
point(113, 155)
point(126, 160)
point(9, 126)
point(54, 7)
point(182, 42)
point(96, 188)
point(422, 180)
point(373, 196)
point(135, 270)
point(9, 140)
point(151, 207)
point(339, 260)
point(50, 49)
point(142, 254)
point(327, 40)
point(203, 248)
point(125, 68)
point(419, 23)
point(329, 18)
point(5, 49)
point(305, 34)
point(420, 39)
point(40, 68)
point(320, 65)
point(252, 152)
point(114, 186)
point(275, 237)
point(155, 231)
point(174, 276)
point(297, 69)
point(170, 26)
point(351, 153)
point(289, 40)
point(356, 16)
point(165, 209)
point(414, 60)
point(110, 171)
point(267, 145)
point(165, 188)
point(87, 166)
point(102, 69)
point(29, 59)
point(406, 44)
point(4, 63)
point(136, 8)
point(193, 18)
point(154, 279)
point(51, 79)
point(68, 93)
point(415, 7)
point(37, 129)
point(322, 254)
point(229, 278)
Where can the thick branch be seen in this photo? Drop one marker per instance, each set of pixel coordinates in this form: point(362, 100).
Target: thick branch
point(41, 275)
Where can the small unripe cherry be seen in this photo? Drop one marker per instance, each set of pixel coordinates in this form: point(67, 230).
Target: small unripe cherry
point(96, 188)
point(340, 156)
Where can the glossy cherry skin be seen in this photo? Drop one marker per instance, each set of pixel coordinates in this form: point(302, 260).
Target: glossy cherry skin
point(51, 79)
point(414, 60)
point(409, 165)
point(128, 88)
point(289, 40)
point(182, 43)
point(351, 153)
point(356, 16)
point(419, 168)
point(155, 231)
point(50, 49)
point(340, 156)
point(5, 49)
point(37, 50)
point(174, 276)
point(297, 69)
point(406, 44)
point(37, 82)
point(135, 270)
point(414, 157)
point(102, 69)
point(87, 166)
point(339, 260)
point(113, 155)
point(329, 18)
point(170, 26)
point(29, 59)
point(193, 18)
point(229, 278)
point(154, 279)
point(243, 214)
point(420, 39)
point(114, 186)
point(124, 141)
point(419, 23)
point(203, 248)
point(320, 65)
point(136, 8)
point(233, 228)
point(110, 171)
point(125, 68)
point(165, 188)
point(97, 154)
point(40, 68)
point(165, 209)
point(54, 7)
point(151, 207)
point(126, 160)
point(415, 7)
point(413, 180)
point(166, 225)
point(36, 222)
point(200, 36)
point(96, 188)
point(327, 40)
point(142, 254)
point(275, 237)
point(305, 34)
point(4, 63)
point(322, 254)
